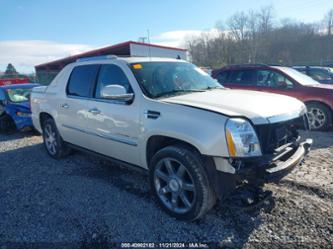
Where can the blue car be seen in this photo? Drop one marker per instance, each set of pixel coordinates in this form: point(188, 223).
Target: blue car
point(15, 111)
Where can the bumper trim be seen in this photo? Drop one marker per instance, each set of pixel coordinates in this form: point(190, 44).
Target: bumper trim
point(283, 168)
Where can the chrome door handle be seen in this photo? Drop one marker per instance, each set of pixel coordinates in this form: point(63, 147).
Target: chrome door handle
point(94, 111)
point(65, 106)
point(152, 114)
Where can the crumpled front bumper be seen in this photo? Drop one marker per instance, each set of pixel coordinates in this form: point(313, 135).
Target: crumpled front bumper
point(257, 171)
point(22, 122)
point(272, 168)
point(278, 170)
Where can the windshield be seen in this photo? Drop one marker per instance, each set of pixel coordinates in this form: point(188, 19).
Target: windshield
point(298, 76)
point(19, 94)
point(162, 79)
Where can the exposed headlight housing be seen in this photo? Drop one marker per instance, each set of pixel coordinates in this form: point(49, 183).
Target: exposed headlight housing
point(241, 138)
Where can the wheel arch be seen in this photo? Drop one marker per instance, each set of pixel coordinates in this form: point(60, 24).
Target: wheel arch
point(43, 116)
point(319, 102)
point(5, 114)
point(158, 142)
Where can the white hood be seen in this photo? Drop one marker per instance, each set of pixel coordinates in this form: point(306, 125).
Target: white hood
point(259, 107)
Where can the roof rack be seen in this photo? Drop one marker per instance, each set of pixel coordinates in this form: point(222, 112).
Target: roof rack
point(93, 58)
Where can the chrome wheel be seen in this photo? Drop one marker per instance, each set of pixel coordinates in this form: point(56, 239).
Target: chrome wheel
point(50, 139)
point(174, 185)
point(317, 118)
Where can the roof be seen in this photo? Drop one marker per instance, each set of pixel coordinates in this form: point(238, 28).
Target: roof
point(118, 49)
point(128, 59)
point(27, 85)
point(313, 67)
point(248, 66)
point(148, 59)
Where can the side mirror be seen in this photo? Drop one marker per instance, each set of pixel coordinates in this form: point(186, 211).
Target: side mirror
point(116, 92)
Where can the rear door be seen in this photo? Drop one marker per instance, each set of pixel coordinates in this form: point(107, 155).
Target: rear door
point(73, 108)
point(241, 79)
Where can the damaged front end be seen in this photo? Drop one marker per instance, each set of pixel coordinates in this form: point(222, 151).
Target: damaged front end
point(282, 149)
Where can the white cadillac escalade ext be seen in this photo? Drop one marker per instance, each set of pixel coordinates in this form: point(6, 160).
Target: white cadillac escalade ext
point(197, 139)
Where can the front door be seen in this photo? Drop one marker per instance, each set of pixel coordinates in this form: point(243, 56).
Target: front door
point(276, 82)
point(114, 126)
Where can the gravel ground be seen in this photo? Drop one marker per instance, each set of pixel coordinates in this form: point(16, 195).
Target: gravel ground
point(83, 202)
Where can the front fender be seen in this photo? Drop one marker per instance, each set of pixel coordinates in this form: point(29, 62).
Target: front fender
point(202, 129)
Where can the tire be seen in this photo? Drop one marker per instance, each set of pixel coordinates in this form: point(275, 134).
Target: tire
point(186, 182)
point(7, 124)
point(2, 109)
point(320, 116)
point(53, 142)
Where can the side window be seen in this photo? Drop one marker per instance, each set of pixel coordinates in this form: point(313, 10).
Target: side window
point(82, 80)
point(111, 75)
point(222, 77)
point(242, 77)
point(273, 79)
point(263, 77)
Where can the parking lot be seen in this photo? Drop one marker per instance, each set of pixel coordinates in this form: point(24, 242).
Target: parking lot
point(82, 200)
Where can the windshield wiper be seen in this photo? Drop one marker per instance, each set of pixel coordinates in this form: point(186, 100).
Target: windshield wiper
point(175, 92)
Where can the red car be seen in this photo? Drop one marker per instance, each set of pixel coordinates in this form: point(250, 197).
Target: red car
point(283, 80)
point(12, 81)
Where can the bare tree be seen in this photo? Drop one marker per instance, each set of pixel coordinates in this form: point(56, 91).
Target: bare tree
point(252, 28)
point(329, 21)
point(254, 37)
point(265, 19)
point(237, 24)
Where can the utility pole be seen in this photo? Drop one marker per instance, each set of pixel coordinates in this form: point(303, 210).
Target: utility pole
point(142, 39)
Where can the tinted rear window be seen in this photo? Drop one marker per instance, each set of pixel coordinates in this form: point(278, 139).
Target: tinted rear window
point(82, 80)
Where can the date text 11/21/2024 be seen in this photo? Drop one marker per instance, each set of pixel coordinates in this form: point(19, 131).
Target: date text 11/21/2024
point(164, 245)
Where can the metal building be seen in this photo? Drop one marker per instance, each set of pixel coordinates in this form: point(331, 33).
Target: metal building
point(47, 71)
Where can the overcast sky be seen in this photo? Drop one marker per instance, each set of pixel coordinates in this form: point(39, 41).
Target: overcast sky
point(37, 31)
